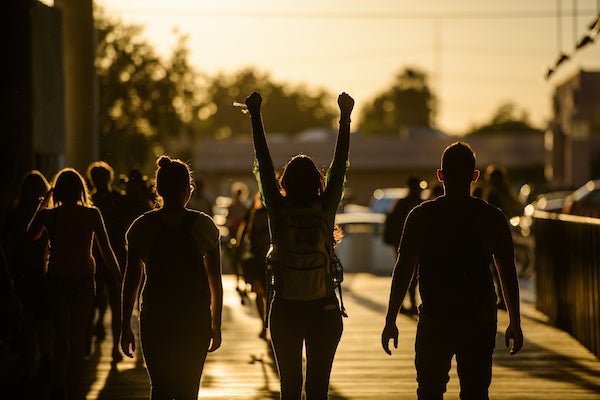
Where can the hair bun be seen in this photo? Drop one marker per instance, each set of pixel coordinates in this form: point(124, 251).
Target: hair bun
point(164, 161)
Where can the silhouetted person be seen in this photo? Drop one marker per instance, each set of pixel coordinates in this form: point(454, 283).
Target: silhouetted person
point(27, 262)
point(394, 224)
point(254, 241)
point(301, 209)
point(11, 315)
point(200, 201)
point(177, 249)
point(498, 192)
point(453, 239)
point(71, 227)
point(138, 196)
point(110, 201)
point(236, 212)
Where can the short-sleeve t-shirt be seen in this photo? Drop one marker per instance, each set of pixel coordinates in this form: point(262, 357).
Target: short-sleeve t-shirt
point(456, 242)
point(174, 288)
point(144, 230)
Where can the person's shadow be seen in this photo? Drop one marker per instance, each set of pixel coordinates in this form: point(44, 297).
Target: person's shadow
point(129, 384)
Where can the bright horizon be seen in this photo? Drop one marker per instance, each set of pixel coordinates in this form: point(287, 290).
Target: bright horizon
point(476, 58)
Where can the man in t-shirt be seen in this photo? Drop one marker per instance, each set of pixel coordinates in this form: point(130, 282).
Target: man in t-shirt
point(453, 239)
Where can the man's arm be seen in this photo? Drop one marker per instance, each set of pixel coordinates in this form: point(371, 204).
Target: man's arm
point(404, 269)
point(505, 264)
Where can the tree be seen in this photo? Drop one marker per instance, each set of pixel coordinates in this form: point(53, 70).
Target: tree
point(407, 102)
point(287, 109)
point(507, 118)
point(149, 106)
point(144, 102)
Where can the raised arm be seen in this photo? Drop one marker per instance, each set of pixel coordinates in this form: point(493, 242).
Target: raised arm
point(264, 167)
point(342, 146)
point(36, 225)
point(212, 262)
point(336, 174)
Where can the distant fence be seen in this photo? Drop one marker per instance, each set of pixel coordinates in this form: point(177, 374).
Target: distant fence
point(568, 274)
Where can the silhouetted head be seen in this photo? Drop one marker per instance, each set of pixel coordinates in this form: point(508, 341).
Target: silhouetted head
point(173, 181)
point(70, 188)
point(414, 185)
point(495, 174)
point(458, 165)
point(301, 180)
point(33, 186)
point(100, 174)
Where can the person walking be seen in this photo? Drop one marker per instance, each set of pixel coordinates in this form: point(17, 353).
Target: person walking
point(394, 223)
point(177, 249)
point(27, 262)
point(72, 227)
point(110, 201)
point(453, 239)
point(301, 208)
point(254, 241)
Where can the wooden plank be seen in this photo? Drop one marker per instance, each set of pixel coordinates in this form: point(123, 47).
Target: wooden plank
point(551, 366)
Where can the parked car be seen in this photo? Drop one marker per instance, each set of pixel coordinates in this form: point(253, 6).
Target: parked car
point(383, 199)
point(362, 248)
point(584, 201)
point(551, 202)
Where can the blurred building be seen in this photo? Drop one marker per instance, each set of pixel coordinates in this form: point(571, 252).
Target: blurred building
point(573, 138)
point(374, 162)
point(49, 90)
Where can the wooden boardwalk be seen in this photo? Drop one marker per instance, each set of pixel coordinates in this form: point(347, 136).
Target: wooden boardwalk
point(552, 365)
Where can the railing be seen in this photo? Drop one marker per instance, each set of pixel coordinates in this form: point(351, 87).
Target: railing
point(568, 274)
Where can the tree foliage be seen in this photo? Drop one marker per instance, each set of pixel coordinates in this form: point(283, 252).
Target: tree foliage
point(149, 106)
point(407, 102)
point(287, 109)
point(507, 118)
point(142, 100)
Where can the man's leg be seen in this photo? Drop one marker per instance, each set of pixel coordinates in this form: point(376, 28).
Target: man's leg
point(474, 360)
point(434, 349)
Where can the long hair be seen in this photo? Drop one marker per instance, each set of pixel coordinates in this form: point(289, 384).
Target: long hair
point(301, 181)
point(32, 187)
point(173, 178)
point(69, 187)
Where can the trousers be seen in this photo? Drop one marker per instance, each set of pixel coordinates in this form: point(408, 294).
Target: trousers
point(313, 325)
point(438, 341)
point(174, 354)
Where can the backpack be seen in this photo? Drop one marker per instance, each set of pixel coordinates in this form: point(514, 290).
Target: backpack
point(176, 280)
point(302, 264)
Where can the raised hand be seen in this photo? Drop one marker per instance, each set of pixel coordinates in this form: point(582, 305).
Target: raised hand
point(346, 103)
point(253, 102)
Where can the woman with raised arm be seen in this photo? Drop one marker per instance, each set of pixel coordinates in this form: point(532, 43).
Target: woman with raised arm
point(72, 226)
point(301, 207)
point(180, 319)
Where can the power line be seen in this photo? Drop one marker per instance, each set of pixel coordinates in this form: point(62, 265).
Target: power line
point(359, 15)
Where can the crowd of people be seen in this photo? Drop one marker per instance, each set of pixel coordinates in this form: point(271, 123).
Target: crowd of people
point(77, 246)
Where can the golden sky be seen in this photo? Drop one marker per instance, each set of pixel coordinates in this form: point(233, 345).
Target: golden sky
point(478, 54)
